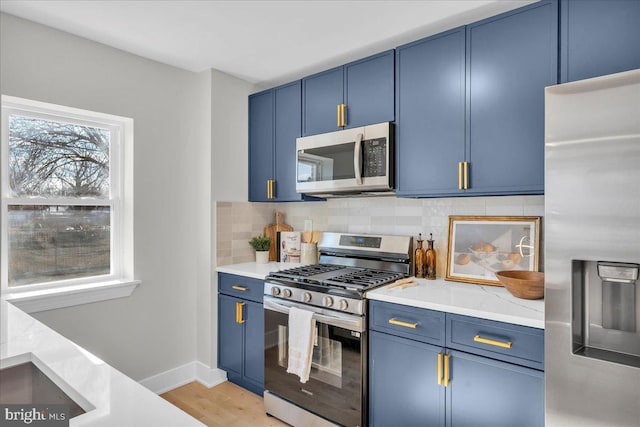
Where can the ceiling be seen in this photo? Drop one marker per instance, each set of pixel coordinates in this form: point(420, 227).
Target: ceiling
point(264, 42)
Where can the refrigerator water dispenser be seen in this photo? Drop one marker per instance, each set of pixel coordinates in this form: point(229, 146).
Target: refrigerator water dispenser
point(606, 311)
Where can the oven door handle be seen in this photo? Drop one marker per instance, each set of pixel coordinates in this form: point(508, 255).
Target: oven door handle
point(350, 322)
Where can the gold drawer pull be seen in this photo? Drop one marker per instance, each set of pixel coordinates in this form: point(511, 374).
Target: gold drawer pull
point(439, 368)
point(394, 321)
point(239, 288)
point(502, 344)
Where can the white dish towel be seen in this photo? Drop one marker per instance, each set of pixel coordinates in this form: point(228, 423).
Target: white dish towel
point(302, 329)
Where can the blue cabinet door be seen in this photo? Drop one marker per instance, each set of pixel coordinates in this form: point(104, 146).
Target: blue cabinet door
point(288, 113)
point(598, 37)
point(254, 344)
point(510, 60)
point(261, 113)
point(431, 107)
point(230, 336)
point(366, 86)
point(403, 386)
point(370, 90)
point(487, 392)
point(321, 95)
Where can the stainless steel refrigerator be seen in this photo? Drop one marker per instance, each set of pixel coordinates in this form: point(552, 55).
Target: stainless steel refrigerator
point(592, 252)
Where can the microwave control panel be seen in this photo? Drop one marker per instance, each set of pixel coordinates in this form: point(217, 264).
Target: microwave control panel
point(375, 157)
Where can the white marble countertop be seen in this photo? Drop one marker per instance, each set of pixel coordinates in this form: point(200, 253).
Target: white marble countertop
point(254, 270)
point(109, 397)
point(486, 302)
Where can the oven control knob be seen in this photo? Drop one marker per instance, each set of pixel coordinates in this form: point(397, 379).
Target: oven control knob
point(287, 293)
point(306, 297)
point(327, 301)
point(275, 291)
point(343, 304)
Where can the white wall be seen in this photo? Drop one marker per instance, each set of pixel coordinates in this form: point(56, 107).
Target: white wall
point(155, 329)
point(229, 181)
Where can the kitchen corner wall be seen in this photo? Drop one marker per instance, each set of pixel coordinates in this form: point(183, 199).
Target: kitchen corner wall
point(237, 222)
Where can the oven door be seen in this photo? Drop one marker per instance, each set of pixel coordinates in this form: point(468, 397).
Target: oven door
point(335, 387)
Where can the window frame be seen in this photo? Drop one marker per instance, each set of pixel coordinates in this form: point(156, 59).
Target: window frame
point(119, 200)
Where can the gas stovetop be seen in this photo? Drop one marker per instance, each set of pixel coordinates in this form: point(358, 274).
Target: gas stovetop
point(336, 276)
point(349, 266)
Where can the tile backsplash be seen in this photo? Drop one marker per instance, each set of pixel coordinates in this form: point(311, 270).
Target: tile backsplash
point(237, 222)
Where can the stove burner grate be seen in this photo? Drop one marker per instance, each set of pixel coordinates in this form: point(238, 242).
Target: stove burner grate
point(367, 278)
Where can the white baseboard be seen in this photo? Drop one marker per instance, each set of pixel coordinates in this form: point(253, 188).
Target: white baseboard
point(176, 377)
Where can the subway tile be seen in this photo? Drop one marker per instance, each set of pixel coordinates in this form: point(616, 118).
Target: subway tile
point(505, 206)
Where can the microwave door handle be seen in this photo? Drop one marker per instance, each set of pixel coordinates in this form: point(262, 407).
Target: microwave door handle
point(357, 158)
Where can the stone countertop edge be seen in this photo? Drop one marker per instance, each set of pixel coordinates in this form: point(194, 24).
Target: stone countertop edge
point(109, 397)
point(482, 301)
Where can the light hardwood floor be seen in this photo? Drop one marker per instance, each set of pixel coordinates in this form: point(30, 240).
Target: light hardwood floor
point(225, 405)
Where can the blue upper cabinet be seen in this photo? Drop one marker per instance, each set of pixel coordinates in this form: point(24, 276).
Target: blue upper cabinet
point(511, 58)
point(430, 127)
point(274, 124)
point(598, 37)
point(322, 96)
point(370, 90)
point(471, 106)
point(260, 144)
point(288, 112)
point(365, 88)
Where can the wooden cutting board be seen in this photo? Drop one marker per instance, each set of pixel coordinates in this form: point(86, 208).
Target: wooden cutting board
point(271, 230)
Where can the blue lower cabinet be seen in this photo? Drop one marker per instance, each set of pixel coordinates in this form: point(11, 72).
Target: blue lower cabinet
point(414, 381)
point(488, 392)
point(231, 340)
point(403, 383)
point(254, 343)
point(241, 341)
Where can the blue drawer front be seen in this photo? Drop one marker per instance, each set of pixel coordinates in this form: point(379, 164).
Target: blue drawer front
point(241, 287)
point(503, 341)
point(410, 322)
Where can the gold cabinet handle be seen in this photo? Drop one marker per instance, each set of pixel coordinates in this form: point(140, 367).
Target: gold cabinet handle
point(446, 370)
point(341, 116)
point(466, 175)
point(239, 318)
point(503, 344)
point(397, 322)
point(271, 185)
point(460, 176)
point(239, 288)
point(439, 368)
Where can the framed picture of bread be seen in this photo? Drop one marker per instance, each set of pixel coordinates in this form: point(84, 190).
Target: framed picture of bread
point(479, 246)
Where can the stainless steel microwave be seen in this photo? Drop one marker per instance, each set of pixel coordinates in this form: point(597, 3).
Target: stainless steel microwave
point(354, 161)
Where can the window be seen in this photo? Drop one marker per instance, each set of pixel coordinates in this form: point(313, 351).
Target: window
point(64, 183)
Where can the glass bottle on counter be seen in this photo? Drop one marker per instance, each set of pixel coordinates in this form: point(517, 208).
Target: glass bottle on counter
point(419, 261)
point(430, 260)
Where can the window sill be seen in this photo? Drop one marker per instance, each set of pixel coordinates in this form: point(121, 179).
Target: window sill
point(49, 299)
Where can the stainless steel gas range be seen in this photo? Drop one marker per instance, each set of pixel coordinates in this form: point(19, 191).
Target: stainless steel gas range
point(334, 290)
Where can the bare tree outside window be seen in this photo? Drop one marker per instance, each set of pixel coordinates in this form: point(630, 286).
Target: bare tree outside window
point(49, 158)
point(61, 162)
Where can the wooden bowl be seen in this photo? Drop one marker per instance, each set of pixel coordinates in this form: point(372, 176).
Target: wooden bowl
point(523, 284)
